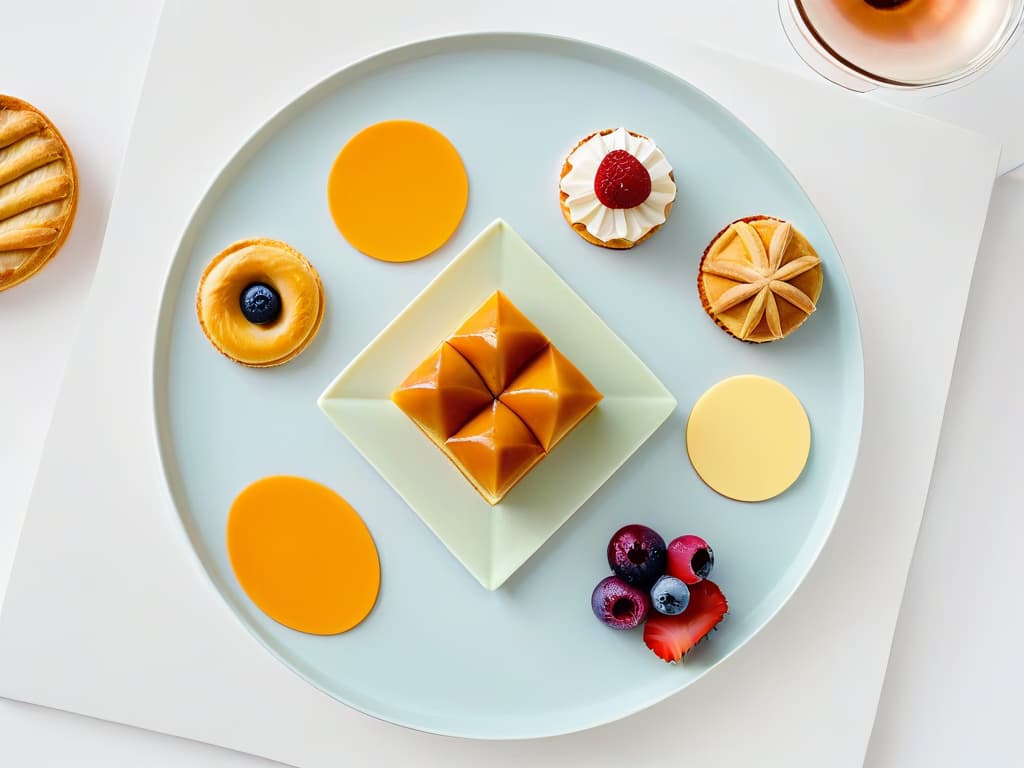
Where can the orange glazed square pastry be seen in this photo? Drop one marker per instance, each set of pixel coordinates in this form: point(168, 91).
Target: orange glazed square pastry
point(496, 397)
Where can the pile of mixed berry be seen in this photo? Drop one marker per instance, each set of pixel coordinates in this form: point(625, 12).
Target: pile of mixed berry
point(665, 586)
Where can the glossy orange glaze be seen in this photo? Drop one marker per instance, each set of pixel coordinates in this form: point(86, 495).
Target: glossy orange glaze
point(495, 450)
point(498, 340)
point(442, 394)
point(551, 396)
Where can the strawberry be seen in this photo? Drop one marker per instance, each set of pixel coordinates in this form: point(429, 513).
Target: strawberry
point(672, 636)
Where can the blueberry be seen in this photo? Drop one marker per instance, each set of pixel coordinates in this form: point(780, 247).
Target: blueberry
point(670, 596)
point(260, 304)
point(638, 555)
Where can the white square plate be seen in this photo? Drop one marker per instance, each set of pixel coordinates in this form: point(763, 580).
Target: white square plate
point(492, 542)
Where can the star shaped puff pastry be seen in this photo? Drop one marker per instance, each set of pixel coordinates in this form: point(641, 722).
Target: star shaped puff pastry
point(762, 277)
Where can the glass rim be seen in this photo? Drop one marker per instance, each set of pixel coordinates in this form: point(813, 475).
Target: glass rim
point(988, 56)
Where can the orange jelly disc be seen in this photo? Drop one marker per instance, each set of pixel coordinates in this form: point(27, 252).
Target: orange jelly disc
point(303, 555)
point(397, 190)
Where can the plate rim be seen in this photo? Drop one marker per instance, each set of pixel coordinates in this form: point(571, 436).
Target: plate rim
point(252, 143)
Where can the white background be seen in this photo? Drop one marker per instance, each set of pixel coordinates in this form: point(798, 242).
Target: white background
point(951, 690)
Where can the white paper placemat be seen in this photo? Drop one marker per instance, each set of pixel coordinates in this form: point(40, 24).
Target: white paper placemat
point(953, 697)
point(132, 632)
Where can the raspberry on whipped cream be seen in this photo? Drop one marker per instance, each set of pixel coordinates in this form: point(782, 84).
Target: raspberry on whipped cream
point(617, 187)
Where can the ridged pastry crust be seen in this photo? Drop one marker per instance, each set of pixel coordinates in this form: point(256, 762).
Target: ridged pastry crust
point(759, 281)
point(289, 273)
point(38, 191)
point(580, 228)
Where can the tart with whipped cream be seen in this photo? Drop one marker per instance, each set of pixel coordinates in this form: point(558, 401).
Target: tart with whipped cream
point(759, 279)
point(260, 302)
point(617, 188)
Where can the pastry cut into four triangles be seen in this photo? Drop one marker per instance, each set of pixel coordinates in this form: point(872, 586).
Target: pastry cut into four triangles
point(496, 396)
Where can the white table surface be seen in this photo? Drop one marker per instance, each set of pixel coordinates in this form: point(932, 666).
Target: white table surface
point(89, 84)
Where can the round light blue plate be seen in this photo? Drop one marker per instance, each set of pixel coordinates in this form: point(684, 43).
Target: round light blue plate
point(439, 653)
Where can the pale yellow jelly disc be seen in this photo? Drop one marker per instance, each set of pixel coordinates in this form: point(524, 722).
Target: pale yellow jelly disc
point(748, 438)
point(303, 555)
point(397, 190)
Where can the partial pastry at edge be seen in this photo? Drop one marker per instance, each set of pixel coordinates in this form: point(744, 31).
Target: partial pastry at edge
point(38, 191)
point(759, 279)
point(260, 302)
point(616, 188)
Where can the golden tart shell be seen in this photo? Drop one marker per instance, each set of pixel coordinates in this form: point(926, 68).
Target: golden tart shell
point(282, 267)
point(808, 282)
point(38, 191)
point(619, 243)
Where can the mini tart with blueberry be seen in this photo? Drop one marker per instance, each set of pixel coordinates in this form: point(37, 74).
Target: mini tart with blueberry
point(759, 279)
point(616, 188)
point(260, 302)
point(38, 191)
